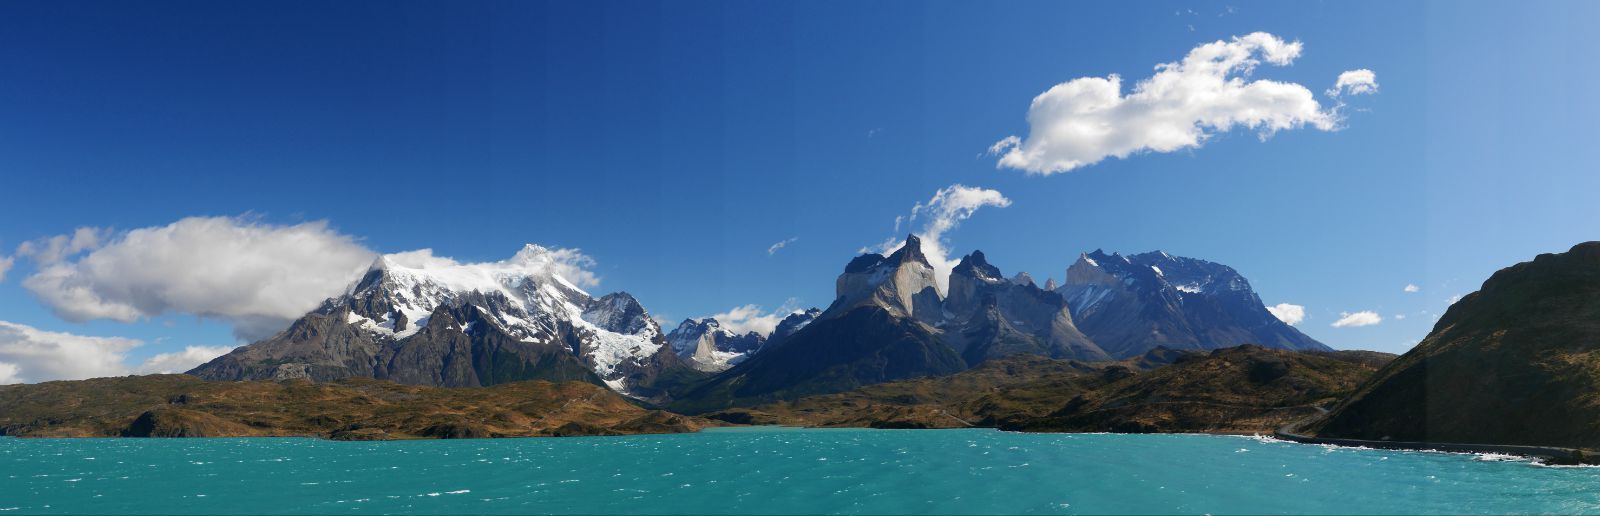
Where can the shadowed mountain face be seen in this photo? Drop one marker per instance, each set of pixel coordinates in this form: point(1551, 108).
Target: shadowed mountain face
point(988, 316)
point(1517, 362)
point(888, 322)
point(468, 325)
point(1130, 304)
point(864, 346)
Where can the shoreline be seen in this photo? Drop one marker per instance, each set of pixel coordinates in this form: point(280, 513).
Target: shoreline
point(1552, 455)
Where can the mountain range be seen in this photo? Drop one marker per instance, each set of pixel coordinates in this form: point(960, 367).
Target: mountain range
point(418, 321)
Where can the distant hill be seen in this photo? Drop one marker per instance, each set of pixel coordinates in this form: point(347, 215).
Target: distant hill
point(353, 409)
point(1240, 389)
point(1517, 362)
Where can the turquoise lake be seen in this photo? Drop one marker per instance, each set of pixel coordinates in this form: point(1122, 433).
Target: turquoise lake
point(769, 470)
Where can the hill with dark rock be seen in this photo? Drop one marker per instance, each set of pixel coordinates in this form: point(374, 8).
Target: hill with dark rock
point(1515, 363)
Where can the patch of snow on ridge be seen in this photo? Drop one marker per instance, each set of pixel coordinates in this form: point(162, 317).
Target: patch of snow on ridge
point(529, 296)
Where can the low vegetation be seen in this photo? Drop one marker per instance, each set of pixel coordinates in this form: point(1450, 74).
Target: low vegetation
point(352, 409)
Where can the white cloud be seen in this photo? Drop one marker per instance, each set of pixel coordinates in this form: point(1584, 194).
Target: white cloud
point(180, 361)
point(1357, 319)
point(9, 373)
point(258, 276)
point(51, 250)
point(1452, 299)
point(748, 318)
point(780, 245)
point(33, 355)
point(941, 214)
point(533, 260)
point(1289, 314)
point(1355, 82)
point(1088, 119)
point(5, 266)
point(1412, 288)
point(254, 275)
point(1399, 317)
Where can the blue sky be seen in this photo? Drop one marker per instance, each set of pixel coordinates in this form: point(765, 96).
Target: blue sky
point(675, 143)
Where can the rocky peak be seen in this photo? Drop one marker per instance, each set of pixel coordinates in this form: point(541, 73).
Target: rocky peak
point(619, 312)
point(793, 323)
point(1023, 278)
point(911, 252)
point(1129, 303)
point(977, 267)
point(1089, 271)
point(709, 347)
point(902, 283)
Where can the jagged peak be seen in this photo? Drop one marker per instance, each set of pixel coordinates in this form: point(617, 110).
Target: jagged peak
point(977, 266)
point(1023, 278)
point(911, 251)
point(619, 298)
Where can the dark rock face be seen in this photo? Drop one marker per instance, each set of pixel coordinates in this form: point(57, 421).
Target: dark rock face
point(1517, 362)
point(791, 324)
point(618, 312)
point(989, 317)
point(867, 345)
point(456, 349)
point(1131, 304)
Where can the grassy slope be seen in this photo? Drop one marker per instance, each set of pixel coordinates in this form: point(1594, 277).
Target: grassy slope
point(1244, 389)
point(181, 405)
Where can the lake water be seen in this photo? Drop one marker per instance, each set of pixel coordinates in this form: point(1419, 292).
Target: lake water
point(769, 470)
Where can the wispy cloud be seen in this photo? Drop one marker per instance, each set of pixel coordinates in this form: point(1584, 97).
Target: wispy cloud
point(1412, 288)
point(1088, 119)
point(940, 215)
point(773, 249)
point(1357, 319)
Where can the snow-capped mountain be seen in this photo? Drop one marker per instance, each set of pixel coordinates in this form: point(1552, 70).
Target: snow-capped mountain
point(710, 347)
point(507, 319)
point(1131, 304)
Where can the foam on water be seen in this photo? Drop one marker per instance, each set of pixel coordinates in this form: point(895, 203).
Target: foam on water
point(774, 470)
